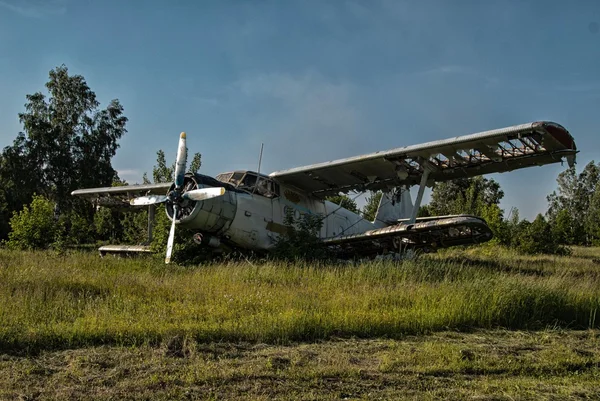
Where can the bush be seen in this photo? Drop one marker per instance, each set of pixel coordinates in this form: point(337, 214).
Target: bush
point(301, 240)
point(34, 227)
point(135, 227)
point(537, 237)
point(106, 224)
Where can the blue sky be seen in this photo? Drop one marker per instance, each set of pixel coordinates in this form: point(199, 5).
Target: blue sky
point(313, 80)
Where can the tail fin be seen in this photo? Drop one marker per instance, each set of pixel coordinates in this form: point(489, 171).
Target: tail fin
point(394, 205)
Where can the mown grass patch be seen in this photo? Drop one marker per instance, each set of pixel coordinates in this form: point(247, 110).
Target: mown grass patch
point(484, 365)
point(52, 301)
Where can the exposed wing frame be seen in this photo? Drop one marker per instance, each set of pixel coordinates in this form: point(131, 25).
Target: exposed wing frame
point(494, 151)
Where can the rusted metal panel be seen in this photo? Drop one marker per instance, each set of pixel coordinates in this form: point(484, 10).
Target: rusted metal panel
point(429, 233)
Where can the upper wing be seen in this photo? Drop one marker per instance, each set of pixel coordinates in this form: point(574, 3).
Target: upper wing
point(120, 196)
point(487, 152)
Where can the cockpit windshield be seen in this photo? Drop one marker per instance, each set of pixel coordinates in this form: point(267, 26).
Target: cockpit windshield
point(251, 182)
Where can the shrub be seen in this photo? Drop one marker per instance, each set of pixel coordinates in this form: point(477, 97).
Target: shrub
point(537, 237)
point(34, 227)
point(301, 239)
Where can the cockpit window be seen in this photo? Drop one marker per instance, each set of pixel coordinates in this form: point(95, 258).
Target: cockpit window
point(224, 177)
point(236, 179)
point(251, 182)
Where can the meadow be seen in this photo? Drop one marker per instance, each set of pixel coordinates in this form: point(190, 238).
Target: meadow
point(523, 326)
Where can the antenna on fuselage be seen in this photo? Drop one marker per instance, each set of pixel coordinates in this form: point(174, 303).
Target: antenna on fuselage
point(258, 172)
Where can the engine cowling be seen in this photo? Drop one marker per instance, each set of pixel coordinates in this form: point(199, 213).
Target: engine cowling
point(213, 215)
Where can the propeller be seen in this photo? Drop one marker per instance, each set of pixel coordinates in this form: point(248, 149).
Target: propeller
point(193, 195)
point(178, 195)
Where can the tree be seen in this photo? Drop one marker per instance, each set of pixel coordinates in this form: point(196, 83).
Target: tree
point(536, 238)
point(344, 201)
point(196, 163)
point(66, 137)
point(593, 218)
point(574, 197)
point(161, 172)
point(370, 209)
point(67, 143)
point(464, 195)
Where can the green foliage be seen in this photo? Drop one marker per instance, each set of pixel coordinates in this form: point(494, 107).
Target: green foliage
point(80, 230)
point(196, 163)
point(161, 172)
point(34, 227)
point(424, 211)
point(106, 224)
point(593, 217)
point(537, 238)
point(464, 195)
point(301, 240)
point(135, 227)
point(572, 208)
point(67, 143)
point(370, 209)
point(66, 137)
point(185, 250)
point(344, 201)
point(563, 228)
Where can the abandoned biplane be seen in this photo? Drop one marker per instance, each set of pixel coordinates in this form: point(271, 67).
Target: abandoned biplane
point(246, 210)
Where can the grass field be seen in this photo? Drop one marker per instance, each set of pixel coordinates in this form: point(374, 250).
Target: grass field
point(455, 324)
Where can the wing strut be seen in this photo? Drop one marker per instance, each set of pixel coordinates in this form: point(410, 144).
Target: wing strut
point(422, 185)
point(151, 209)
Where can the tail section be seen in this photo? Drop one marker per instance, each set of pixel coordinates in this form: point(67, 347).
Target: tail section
point(394, 205)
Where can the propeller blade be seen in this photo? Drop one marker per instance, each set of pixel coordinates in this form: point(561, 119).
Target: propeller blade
point(203, 193)
point(171, 236)
point(181, 162)
point(148, 200)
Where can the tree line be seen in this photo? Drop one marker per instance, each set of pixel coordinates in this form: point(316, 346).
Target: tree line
point(66, 135)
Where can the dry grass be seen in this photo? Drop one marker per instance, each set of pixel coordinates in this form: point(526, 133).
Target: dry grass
point(486, 365)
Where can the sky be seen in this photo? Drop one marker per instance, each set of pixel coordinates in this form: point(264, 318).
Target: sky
point(313, 80)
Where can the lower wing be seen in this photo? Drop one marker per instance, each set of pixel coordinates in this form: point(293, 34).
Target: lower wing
point(427, 234)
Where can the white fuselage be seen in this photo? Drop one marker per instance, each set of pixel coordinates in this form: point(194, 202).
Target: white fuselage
point(258, 220)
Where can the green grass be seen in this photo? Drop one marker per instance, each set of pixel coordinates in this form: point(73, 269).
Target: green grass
point(52, 301)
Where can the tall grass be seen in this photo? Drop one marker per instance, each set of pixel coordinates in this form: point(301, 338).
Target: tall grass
point(51, 301)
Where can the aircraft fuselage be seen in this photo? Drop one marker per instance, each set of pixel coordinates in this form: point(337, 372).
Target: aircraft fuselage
point(248, 219)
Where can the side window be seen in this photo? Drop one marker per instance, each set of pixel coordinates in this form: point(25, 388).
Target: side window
point(267, 188)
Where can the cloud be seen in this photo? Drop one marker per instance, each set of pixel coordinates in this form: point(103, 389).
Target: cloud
point(449, 69)
point(36, 8)
point(302, 118)
point(130, 175)
point(455, 69)
point(583, 87)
